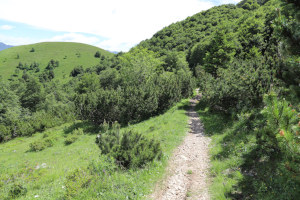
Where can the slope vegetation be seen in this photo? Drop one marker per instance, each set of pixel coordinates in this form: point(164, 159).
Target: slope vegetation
point(69, 55)
point(85, 174)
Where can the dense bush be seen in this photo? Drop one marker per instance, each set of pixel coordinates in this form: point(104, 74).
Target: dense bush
point(42, 144)
point(129, 149)
point(77, 71)
point(281, 133)
point(135, 92)
point(72, 137)
point(240, 86)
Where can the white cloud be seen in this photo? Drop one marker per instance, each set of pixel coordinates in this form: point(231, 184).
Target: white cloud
point(11, 40)
point(123, 23)
point(229, 1)
point(6, 27)
point(74, 37)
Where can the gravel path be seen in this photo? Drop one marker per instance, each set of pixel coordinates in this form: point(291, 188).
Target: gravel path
point(187, 173)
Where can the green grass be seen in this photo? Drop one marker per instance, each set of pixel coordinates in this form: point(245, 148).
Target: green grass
point(240, 167)
point(99, 178)
point(228, 147)
point(68, 54)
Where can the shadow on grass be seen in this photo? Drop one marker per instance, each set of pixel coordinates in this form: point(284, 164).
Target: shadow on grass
point(185, 106)
point(262, 168)
point(214, 122)
point(88, 127)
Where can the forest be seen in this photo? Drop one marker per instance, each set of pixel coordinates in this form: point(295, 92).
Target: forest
point(245, 60)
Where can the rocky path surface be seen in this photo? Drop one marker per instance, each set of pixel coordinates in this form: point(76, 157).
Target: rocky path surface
point(187, 173)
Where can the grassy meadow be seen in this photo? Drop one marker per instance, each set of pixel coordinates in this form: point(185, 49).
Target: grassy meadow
point(78, 170)
point(68, 54)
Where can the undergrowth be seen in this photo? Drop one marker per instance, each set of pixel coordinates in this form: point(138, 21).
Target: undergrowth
point(251, 157)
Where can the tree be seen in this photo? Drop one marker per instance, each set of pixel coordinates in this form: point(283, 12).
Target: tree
point(52, 64)
point(97, 54)
point(76, 71)
point(33, 94)
point(287, 27)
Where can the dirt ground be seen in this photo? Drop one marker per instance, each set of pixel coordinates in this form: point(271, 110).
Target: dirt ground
point(187, 173)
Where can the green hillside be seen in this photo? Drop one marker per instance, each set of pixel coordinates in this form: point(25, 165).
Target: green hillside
point(68, 54)
point(244, 59)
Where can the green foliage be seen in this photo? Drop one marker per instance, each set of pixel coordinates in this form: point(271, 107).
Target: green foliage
point(16, 191)
point(33, 95)
point(77, 71)
point(240, 86)
point(129, 149)
point(108, 181)
point(75, 181)
point(219, 52)
point(97, 54)
point(42, 144)
point(183, 35)
point(247, 161)
point(134, 92)
point(52, 64)
point(281, 133)
point(248, 4)
point(66, 53)
point(286, 27)
point(72, 137)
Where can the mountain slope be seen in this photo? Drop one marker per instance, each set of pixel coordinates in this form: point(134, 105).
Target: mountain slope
point(68, 54)
point(4, 46)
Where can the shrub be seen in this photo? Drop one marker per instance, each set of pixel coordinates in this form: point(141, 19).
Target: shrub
point(97, 54)
point(75, 181)
point(70, 139)
point(242, 85)
point(77, 71)
point(4, 133)
point(40, 145)
point(281, 133)
point(17, 190)
point(77, 131)
point(129, 149)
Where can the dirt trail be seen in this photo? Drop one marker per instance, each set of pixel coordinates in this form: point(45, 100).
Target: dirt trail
point(187, 173)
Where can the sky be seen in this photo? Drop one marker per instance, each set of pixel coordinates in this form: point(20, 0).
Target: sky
point(115, 25)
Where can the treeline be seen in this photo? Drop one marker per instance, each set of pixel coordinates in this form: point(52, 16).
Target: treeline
point(128, 88)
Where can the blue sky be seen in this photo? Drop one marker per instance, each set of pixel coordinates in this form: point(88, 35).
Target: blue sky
point(115, 25)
